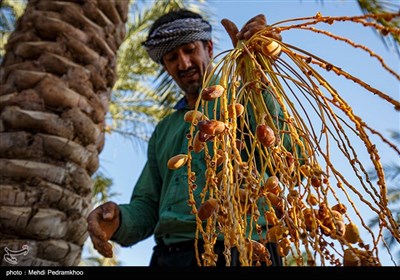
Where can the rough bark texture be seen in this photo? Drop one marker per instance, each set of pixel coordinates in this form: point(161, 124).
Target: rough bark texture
point(55, 84)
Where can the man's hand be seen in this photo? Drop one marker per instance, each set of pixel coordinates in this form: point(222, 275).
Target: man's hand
point(103, 222)
point(251, 27)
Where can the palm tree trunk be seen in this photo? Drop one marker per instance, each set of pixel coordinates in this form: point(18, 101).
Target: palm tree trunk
point(56, 81)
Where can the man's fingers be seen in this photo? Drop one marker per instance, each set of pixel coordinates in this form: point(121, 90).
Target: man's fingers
point(251, 27)
point(258, 18)
point(95, 230)
point(232, 30)
point(274, 35)
point(103, 247)
point(100, 218)
point(246, 34)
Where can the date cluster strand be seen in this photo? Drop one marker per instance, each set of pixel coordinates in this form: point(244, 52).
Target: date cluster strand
point(269, 161)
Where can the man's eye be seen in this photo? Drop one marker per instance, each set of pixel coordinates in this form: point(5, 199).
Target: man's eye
point(190, 50)
point(170, 57)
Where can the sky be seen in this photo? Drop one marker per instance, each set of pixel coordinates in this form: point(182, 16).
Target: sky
point(123, 161)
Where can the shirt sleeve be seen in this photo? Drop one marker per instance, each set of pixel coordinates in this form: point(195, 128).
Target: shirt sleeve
point(140, 216)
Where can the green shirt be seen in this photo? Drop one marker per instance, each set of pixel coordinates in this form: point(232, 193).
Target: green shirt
point(159, 202)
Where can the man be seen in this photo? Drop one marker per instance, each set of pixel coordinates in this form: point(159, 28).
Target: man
point(181, 42)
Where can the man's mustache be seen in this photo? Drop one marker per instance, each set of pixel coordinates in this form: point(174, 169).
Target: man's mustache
point(188, 72)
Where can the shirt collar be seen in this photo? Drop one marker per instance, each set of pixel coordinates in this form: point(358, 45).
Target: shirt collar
point(181, 105)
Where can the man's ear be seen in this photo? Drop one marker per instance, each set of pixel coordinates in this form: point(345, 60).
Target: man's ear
point(164, 68)
point(210, 48)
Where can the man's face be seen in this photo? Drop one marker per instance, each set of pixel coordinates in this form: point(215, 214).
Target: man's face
point(187, 64)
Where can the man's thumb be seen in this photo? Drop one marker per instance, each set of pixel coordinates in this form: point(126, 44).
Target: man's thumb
point(109, 211)
point(232, 30)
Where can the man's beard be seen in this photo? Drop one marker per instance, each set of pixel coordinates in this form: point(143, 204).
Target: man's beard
point(193, 89)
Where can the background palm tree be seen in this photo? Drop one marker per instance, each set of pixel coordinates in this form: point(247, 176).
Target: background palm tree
point(56, 79)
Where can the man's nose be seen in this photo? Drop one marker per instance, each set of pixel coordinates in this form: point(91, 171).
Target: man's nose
point(184, 61)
